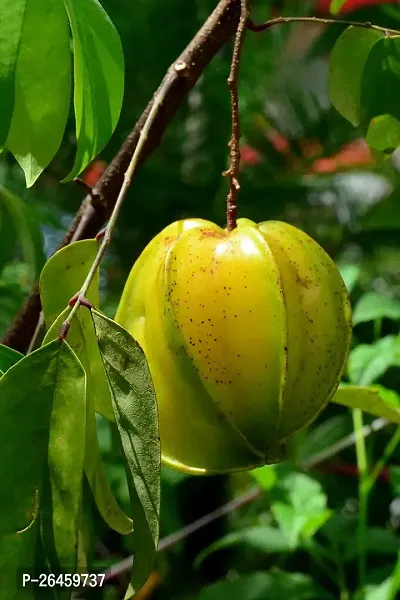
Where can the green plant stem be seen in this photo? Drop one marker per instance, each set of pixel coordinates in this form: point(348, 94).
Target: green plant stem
point(362, 494)
point(180, 68)
point(377, 329)
point(376, 471)
point(341, 577)
point(318, 20)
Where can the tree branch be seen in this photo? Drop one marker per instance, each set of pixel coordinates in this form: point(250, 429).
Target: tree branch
point(318, 20)
point(97, 206)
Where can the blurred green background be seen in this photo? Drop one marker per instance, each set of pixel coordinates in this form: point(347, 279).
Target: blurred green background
point(302, 163)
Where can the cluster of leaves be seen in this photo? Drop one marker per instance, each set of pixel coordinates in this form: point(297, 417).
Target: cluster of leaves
point(53, 395)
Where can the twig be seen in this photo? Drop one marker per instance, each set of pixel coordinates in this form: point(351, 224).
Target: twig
point(234, 143)
point(246, 498)
point(93, 213)
point(106, 238)
point(319, 20)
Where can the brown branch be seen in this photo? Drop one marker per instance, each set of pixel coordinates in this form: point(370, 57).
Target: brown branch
point(318, 20)
point(97, 206)
point(234, 144)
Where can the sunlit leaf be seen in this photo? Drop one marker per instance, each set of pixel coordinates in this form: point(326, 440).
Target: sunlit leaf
point(11, 22)
point(135, 409)
point(99, 78)
point(376, 400)
point(42, 79)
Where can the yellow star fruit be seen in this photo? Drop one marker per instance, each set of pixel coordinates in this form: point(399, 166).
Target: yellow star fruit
point(246, 334)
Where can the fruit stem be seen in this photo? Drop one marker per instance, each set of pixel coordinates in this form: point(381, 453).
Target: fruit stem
point(234, 143)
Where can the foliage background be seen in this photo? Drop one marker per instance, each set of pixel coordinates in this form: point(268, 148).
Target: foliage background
point(302, 163)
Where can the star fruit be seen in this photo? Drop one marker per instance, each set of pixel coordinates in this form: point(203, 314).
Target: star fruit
point(246, 334)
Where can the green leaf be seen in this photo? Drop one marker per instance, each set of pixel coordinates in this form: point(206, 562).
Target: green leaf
point(42, 86)
point(27, 231)
point(383, 69)
point(368, 362)
point(12, 14)
point(350, 274)
point(27, 393)
point(135, 409)
point(274, 585)
point(265, 476)
point(384, 215)
point(383, 133)
point(71, 266)
point(375, 400)
point(265, 539)
point(305, 510)
point(66, 451)
point(348, 59)
point(99, 79)
point(373, 306)
point(8, 357)
point(335, 6)
point(105, 501)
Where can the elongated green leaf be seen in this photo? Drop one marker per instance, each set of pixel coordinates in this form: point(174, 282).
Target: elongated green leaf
point(8, 357)
point(27, 393)
point(265, 539)
point(368, 362)
point(70, 266)
point(99, 78)
point(375, 400)
point(27, 231)
point(135, 408)
point(94, 469)
point(105, 501)
point(12, 14)
point(275, 585)
point(42, 86)
point(373, 306)
point(66, 451)
point(348, 60)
